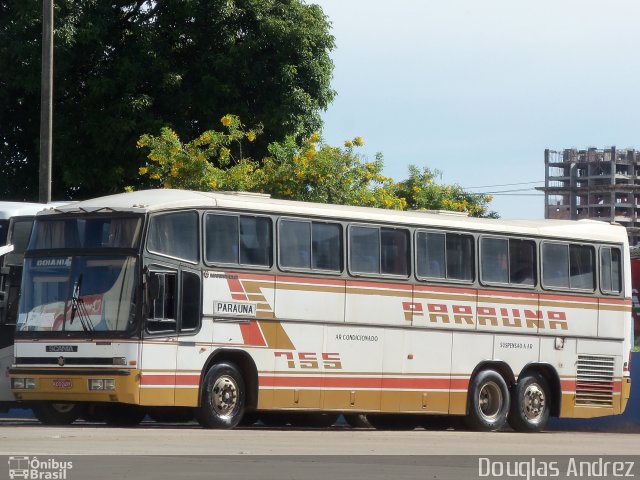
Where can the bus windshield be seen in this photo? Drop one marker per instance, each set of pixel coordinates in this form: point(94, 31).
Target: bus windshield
point(79, 293)
point(85, 232)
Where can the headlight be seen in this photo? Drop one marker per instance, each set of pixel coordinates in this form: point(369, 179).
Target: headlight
point(23, 383)
point(102, 384)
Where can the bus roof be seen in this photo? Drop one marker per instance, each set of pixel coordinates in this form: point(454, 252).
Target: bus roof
point(12, 209)
point(147, 201)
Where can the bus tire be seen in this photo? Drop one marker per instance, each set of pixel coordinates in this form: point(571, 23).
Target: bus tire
point(56, 413)
point(530, 404)
point(223, 397)
point(489, 402)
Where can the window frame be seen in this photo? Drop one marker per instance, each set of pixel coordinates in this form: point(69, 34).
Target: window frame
point(536, 261)
point(198, 236)
point(350, 270)
point(568, 244)
point(237, 215)
point(474, 272)
point(602, 290)
point(310, 221)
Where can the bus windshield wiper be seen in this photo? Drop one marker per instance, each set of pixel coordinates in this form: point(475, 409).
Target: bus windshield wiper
point(78, 307)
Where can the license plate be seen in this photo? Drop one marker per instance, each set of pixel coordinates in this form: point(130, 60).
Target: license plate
point(62, 383)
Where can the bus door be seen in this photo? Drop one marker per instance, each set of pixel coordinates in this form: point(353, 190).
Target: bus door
point(190, 356)
point(160, 341)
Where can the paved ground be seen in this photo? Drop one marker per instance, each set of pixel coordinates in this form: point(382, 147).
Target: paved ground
point(154, 451)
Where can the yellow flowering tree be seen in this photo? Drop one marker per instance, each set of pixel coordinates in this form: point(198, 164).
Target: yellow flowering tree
point(316, 172)
point(213, 161)
point(308, 171)
point(421, 192)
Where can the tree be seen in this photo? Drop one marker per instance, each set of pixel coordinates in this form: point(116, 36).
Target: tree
point(421, 192)
point(126, 67)
point(309, 171)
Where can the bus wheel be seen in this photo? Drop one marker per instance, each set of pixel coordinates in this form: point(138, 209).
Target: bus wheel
point(223, 397)
point(51, 413)
point(488, 402)
point(123, 415)
point(530, 404)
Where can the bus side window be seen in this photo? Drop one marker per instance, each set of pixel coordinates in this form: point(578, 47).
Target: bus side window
point(610, 270)
point(162, 302)
point(494, 260)
point(555, 265)
point(190, 314)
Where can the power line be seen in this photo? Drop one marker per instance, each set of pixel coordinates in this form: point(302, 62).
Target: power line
point(505, 185)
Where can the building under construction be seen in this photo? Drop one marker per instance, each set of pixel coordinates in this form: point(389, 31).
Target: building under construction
point(597, 184)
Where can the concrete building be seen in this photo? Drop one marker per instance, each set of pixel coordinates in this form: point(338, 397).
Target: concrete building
point(597, 184)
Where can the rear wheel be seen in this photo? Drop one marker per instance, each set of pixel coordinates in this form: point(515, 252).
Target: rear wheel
point(530, 404)
point(223, 397)
point(52, 413)
point(488, 401)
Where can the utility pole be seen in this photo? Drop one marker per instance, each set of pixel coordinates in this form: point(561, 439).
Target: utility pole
point(46, 102)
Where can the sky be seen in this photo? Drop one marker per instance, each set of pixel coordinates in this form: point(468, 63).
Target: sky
point(477, 89)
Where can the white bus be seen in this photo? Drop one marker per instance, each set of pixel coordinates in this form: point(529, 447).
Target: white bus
point(16, 219)
point(233, 305)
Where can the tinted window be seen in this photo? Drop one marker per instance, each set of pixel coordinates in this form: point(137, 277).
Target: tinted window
point(238, 239)
point(494, 260)
point(310, 245)
point(555, 265)
point(568, 266)
point(295, 244)
point(508, 260)
point(86, 232)
point(174, 235)
point(20, 233)
point(610, 270)
point(445, 256)
point(326, 246)
point(222, 239)
point(379, 250)
point(364, 249)
point(190, 301)
point(581, 267)
point(394, 252)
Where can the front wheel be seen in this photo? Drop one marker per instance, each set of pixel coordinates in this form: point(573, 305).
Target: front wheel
point(530, 404)
point(52, 413)
point(488, 402)
point(223, 397)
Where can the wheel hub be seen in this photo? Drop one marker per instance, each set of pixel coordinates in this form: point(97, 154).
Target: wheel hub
point(490, 400)
point(225, 395)
point(534, 403)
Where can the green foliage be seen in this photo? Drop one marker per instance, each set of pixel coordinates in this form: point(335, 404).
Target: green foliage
point(421, 192)
point(126, 67)
point(307, 171)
